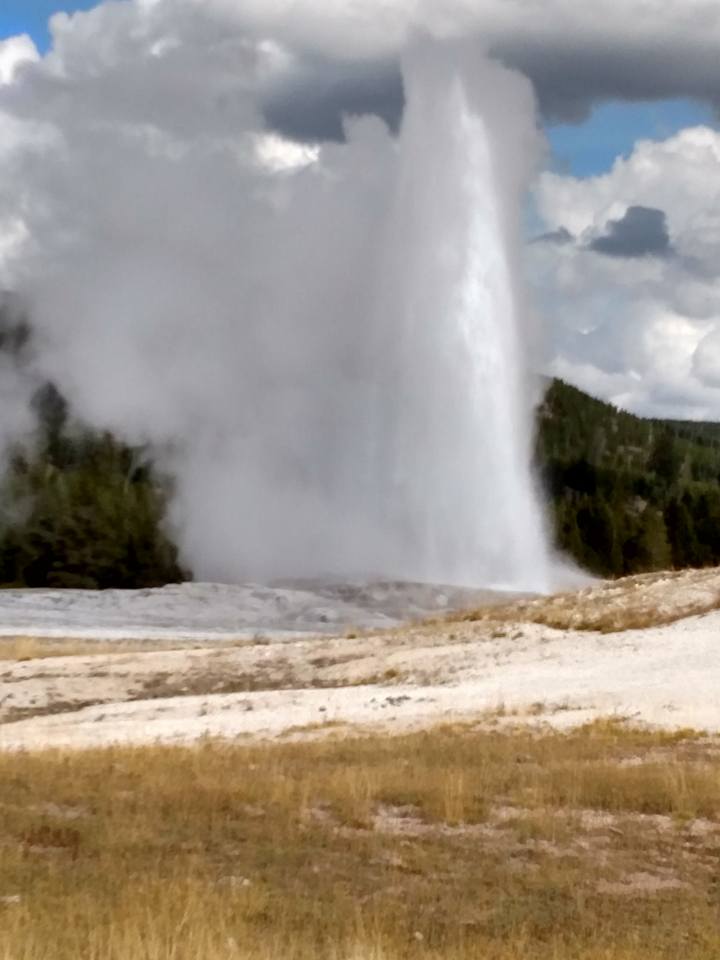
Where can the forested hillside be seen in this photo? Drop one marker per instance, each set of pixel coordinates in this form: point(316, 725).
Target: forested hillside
point(628, 494)
point(78, 508)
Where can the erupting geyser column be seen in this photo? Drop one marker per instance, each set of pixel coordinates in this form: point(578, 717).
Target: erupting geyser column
point(453, 396)
point(329, 358)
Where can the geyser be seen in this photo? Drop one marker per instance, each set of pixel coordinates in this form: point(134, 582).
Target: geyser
point(453, 405)
point(395, 442)
point(329, 356)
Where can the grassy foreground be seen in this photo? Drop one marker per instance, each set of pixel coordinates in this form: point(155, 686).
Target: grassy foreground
point(601, 844)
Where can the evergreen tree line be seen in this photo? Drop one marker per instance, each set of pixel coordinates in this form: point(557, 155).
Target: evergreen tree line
point(78, 508)
point(628, 494)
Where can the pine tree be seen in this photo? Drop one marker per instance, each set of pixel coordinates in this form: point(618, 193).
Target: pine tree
point(681, 535)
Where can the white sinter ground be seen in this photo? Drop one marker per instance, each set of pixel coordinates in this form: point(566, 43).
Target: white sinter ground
point(398, 679)
point(212, 612)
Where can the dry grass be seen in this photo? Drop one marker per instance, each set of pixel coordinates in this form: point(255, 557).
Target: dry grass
point(633, 603)
point(24, 648)
point(602, 844)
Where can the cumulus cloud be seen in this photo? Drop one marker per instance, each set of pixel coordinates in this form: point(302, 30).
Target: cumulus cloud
point(310, 101)
point(14, 52)
point(635, 324)
point(576, 54)
point(327, 59)
point(561, 236)
point(641, 232)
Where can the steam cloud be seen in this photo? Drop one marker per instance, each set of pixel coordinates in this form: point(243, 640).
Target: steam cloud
point(323, 343)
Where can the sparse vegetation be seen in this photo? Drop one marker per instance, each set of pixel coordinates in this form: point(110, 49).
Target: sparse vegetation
point(21, 649)
point(633, 603)
point(602, 844)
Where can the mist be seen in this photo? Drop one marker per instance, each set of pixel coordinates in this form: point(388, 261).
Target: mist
point(324, 344)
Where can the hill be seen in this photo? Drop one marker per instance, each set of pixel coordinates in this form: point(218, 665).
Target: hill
point(628, 494)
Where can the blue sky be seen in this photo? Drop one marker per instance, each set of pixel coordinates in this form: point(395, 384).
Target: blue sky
point(31, 16)
point(590, 148)
point(584, 149)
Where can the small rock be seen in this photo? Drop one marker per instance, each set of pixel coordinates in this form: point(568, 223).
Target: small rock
point(235, 883)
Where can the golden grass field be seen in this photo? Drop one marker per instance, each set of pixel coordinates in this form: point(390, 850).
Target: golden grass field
point(456, 843)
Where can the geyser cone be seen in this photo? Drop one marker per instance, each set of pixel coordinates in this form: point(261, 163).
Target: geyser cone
point(454, 401)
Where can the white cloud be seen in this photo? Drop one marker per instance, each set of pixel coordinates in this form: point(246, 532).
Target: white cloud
point(671, 174)
point(706, 358)
point(14, 52)
point(280, 154)
point(650, 324)
point(575, 53)
point(379, 27)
